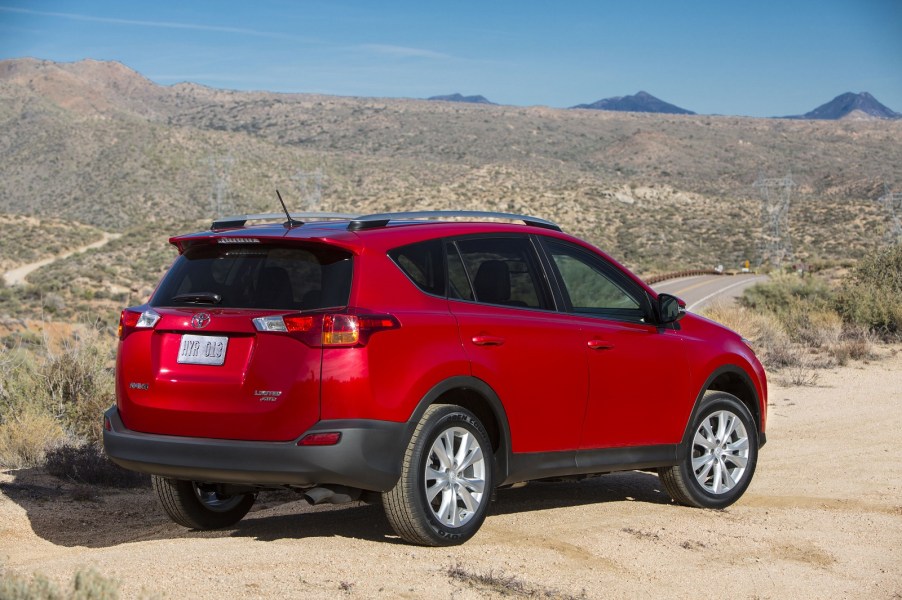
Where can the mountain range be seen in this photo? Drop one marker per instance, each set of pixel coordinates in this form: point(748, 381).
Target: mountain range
point(97, 143)
point(640, 102)
point(462, 98)
point(850, 106)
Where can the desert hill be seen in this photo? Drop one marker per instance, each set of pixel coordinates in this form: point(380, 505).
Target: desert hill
point(99, 144)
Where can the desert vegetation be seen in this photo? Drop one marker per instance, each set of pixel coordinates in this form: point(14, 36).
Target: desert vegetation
point(798, 323)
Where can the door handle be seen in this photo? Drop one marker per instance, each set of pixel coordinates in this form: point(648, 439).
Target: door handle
point(600, 345)
point(487, 340)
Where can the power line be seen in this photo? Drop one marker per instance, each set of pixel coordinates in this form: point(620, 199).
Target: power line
point(310, 188)
point(776, 196)
point(221, 181)
point(892, 206)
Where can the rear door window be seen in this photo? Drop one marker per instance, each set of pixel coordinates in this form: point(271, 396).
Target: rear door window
point(258, 276)
point(504, 271)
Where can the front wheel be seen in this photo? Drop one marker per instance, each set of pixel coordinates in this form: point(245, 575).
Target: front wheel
point(446, 479)
point(200, 506)
point(719, 456)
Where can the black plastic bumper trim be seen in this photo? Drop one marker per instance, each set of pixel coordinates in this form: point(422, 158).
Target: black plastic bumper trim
point(367, 457)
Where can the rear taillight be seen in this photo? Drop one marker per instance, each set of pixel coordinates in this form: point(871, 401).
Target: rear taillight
point(130, 320)
point(334, 329)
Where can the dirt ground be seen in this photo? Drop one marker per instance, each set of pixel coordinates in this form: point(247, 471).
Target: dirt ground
point(822, 519)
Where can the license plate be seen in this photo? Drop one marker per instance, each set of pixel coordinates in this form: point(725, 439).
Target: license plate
point(203, 349)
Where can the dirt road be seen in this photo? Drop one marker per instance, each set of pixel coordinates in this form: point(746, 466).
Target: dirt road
point(822, 519)
point(18, 275)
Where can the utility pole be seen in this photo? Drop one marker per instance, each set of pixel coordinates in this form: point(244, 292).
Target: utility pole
point(310, 188)
point(220, 179)
point(776, 194)
point(892, 206)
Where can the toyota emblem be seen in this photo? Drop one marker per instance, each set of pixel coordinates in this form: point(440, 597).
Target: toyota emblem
point(200, 320)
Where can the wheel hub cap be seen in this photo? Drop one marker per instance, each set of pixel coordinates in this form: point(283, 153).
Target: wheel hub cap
point(720, 452)
point(455, 477)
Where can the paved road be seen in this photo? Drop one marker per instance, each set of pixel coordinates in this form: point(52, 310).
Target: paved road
point(699, 290)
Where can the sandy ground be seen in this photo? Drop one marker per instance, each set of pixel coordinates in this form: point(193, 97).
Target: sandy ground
point(822, 519)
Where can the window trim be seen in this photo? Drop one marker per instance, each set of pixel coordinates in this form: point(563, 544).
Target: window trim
point(618, 278)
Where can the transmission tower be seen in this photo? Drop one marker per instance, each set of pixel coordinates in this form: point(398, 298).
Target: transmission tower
point(892, 205)
point(776, 194)
point(310, 188)
point(220, 180)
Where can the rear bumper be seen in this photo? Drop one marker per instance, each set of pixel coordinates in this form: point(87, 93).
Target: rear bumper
point(367, 457)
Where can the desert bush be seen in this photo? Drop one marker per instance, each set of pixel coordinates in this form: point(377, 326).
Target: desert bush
point(86, 585)
point(764, 331)
point(52, 394)
point(799, 303)
point(872, 296)
point(25, 437)
point(80, 382)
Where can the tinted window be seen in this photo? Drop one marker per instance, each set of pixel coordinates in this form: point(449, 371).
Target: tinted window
point(257, 276)
point(504, 271)
point(592, 286)
point(424, 264)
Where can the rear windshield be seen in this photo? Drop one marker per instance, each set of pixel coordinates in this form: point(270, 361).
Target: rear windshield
point(258, 276)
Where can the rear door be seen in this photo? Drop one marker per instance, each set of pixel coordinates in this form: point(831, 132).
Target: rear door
point(205, 369)
point(529, 354)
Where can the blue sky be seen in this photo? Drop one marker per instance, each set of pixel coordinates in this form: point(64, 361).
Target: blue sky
point(757, 58)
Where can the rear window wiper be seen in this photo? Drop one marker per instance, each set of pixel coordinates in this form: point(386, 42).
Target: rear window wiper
point(198, 298)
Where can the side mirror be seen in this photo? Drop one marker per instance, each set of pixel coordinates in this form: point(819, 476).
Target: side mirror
point(670, 309)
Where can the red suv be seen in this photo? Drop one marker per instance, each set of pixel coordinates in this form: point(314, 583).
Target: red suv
point(425, 359)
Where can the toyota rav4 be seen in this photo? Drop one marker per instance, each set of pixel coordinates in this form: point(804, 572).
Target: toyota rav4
point(424, 360)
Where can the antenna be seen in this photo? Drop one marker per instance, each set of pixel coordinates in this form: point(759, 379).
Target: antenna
point(775, 245)
point(290, 223)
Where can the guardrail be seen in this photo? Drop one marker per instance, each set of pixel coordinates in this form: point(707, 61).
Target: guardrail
point(675, 274)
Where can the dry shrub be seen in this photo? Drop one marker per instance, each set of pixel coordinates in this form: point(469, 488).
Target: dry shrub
point(26, 436)
point(86, 585)
point(79, 381)
point(53, 393)
point(764, 331)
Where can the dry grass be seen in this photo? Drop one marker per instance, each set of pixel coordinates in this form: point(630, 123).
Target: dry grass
point(52, 394)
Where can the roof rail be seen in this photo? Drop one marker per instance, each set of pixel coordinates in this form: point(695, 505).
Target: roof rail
point(382, 219)
point(240, 220)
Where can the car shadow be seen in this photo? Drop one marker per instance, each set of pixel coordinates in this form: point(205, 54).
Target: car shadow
point(69, 514)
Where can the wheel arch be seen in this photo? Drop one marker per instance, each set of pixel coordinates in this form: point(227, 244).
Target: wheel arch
point(733, 380)
point(479, 398)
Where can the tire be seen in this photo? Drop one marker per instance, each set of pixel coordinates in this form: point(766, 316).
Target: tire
point(720, 455)
point(447, 479)
point(198, 506)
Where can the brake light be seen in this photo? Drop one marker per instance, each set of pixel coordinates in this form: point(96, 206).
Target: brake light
point(350, 330)
point(130, 319)
point(336, 329)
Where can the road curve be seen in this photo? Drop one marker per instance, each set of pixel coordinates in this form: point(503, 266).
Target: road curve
point(699, 290)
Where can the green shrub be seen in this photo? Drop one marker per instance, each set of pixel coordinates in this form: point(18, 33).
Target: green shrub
point(872, 296)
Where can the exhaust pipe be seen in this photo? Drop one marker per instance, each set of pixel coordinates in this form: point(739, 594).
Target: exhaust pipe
point(336, 494)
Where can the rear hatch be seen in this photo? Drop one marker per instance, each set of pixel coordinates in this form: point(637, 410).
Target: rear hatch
point(229, 345)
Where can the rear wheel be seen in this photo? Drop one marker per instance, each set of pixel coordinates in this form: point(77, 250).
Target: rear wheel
point(719, 456)
point(200, 506)
point(446, 479)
